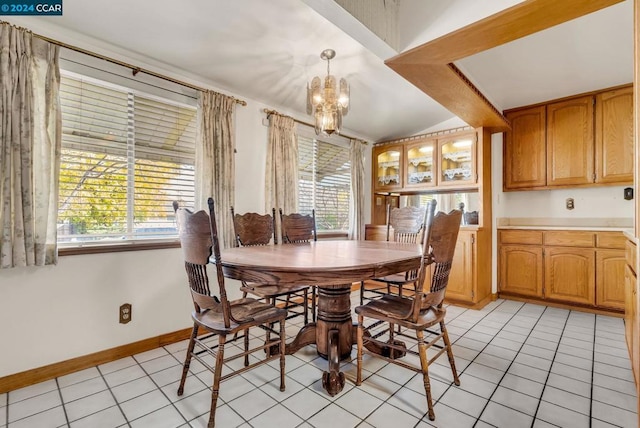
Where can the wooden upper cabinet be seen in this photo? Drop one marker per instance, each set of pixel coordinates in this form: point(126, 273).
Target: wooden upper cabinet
point(525, 157)
point(420, 164)
point(570, 142)
point(457, 159)
point(387, 163)
point(614, 136)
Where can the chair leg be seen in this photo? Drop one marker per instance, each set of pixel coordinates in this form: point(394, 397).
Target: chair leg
point(217, 374)
point(187, 361)
point(282, 354)
point(246, 347)
point(424, 363)
point(452, 361)
point(314, 302)
point(305, 299)
point(360, 346)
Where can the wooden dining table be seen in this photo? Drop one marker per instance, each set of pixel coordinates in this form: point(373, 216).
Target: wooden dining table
point(332, 266)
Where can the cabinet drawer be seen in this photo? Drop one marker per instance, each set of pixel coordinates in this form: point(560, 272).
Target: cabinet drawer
point(532, 237)
point(630, 255)
point(571, 238)
point(614, 240)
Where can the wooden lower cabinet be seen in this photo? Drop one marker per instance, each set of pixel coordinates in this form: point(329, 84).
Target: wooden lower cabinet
point(631, 322)
point(569, 274)
point(610, 279)
point(470, 278)
point(461, 278)
point(521, 270)
point(630, 313)
point(581, 268)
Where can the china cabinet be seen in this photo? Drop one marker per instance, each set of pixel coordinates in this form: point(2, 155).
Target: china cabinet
point(456, 160)
point(387, 162)
point(420, 165)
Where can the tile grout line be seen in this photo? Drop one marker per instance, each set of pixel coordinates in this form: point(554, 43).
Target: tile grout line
point(510, 363)
point(474, 358)
point(64, 409)
point(126, 420)
point(564, 327)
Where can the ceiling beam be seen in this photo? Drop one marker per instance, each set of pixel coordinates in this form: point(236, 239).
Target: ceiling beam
point(521, 20)
point(430, 66)
point(449, 87)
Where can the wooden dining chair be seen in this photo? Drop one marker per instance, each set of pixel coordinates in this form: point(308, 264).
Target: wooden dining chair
point(417, 313)
point(215, 314)
point(300, 228)
point(403, 225)
point(259, 229)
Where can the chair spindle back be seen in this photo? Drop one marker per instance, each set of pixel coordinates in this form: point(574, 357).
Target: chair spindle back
point(298, 227)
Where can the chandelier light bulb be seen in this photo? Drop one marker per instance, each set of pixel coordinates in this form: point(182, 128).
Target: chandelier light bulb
point(327, 101)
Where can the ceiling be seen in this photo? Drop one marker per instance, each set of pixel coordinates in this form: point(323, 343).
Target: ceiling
point(268, 51)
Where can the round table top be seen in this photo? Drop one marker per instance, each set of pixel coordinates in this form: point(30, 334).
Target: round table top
point(320, 263)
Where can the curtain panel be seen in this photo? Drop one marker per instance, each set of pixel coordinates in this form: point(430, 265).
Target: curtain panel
point(30, 141)
point(281, 177)
point(215, 159)
point(356, 204)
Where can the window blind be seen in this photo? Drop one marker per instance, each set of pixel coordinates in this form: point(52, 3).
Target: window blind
point(125, 158)
point(324, 182)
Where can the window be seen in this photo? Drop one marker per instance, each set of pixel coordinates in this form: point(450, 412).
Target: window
point(125, 158)
point(324, 177)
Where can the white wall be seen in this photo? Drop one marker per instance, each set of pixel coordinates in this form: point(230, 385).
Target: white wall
point(55, 313)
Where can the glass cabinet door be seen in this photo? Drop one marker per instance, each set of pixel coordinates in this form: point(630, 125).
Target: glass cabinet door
point(387, 167)
point(420, 164)
point(457, 159)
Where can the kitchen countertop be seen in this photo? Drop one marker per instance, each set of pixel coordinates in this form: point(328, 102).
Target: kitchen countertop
point(542, 223)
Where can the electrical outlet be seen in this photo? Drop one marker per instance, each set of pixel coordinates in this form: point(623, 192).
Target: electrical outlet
point(125, 313)
point(570, 204)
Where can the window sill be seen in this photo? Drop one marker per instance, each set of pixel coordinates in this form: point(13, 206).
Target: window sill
point(89, 248)
point(332, 235)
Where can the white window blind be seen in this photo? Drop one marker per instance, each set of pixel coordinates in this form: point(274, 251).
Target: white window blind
point(125, 158)
point(324, 176)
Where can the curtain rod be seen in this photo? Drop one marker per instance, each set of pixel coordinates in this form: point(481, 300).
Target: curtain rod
point(270, 112)
point(135, 69)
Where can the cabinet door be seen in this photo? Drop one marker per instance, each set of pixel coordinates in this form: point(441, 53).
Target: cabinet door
point(420, 168)
point(610, 292)
point(570, 142)
point(387, 161)
point(614, 136)
point(569, 274)
point(524, 154)
point(629, 286)
point(462, 279)
point(521, 270)
point(457, 160)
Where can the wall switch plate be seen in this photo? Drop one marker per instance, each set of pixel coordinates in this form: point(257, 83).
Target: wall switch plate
point(570, 205)
point(628, 193)
point(125, 313)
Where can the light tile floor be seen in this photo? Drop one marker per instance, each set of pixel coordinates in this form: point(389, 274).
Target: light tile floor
point(520, 365)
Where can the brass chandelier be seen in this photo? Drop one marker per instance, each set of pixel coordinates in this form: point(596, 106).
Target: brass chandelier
point(325, 102)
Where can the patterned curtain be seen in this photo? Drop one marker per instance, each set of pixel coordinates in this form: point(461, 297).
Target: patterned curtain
point(281, 178)
point(30, 140)
point(356, 203)
point(215, 159)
